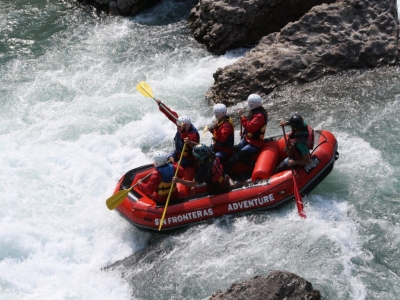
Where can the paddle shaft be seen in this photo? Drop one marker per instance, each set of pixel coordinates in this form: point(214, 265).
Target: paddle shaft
point(145, 177)
point(297, 196)
point(172, 185)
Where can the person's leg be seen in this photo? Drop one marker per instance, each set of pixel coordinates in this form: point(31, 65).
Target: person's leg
point(283, 166)
point(242, 155)
point(234, 158)
point(221, 155)
point(245, 154)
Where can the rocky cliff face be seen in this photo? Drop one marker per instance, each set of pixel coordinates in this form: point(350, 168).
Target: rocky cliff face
point(297, 40)
point(348, 34)
point(227, 24)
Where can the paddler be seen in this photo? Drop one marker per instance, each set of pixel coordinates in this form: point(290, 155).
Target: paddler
point(160, 181)
point(209, 169)
point(254, 124)
point(223, 133)
point(299, 143)
point(185, 129)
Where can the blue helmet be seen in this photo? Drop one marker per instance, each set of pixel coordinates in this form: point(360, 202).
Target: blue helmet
point(201, 151)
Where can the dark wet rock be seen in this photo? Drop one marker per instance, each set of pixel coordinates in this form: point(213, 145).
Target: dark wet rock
point(277, 285)
point(228, 24)
point(120, 7)
point(304, 45)
point(348, 34)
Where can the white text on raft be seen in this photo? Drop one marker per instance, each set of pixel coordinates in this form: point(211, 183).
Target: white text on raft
point(186, 217)
point(251, 203)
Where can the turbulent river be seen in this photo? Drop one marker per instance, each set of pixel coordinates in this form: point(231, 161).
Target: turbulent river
point(72, 123)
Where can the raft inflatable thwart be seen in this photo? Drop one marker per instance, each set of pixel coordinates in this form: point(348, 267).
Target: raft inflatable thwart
point(262, 190)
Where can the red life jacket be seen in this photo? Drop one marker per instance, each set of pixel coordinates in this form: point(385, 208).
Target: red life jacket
point(259, 134)
point(217, 171)
point(226, 146)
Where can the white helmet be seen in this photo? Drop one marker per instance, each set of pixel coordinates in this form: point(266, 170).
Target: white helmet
point(219, 111)
point(184, 119)
point(254, 101)
point(160, 158)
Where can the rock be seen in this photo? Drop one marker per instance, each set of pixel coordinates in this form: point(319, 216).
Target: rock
point(348, 34)
point(277, 285)
point(227, 24)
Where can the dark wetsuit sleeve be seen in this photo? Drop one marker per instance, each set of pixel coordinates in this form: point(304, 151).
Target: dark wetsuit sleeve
point(201, 175)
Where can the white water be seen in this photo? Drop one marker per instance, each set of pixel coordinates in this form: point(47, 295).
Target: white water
point(72, 123)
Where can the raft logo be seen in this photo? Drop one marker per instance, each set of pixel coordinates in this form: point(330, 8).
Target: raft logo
point(311, 166)
point(257, 202)
point(199, 214)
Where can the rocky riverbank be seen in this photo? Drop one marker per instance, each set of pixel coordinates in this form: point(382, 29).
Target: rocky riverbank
point(330, 38)
point(295, 41)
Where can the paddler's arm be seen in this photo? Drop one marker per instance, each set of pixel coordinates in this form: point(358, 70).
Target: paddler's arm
point(167, 111)
point(189, 142)
point(188, 183)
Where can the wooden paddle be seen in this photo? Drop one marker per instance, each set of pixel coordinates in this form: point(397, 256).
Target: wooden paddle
point(172, 185)
point(146, 91)
point(119, 197)
point(297, 196)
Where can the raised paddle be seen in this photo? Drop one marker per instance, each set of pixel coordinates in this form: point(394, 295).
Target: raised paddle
point(146, 91)
point(172, 185)
point(119, 197)
point(297, 196)
point(206, 129)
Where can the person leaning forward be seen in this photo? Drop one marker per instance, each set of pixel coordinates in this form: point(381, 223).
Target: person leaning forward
point(185, 129)
point(299, 143)
point(209, 169)
point(159, 184)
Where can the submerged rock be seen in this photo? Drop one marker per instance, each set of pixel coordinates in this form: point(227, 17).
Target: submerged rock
point(277, 285)
point(348, 34)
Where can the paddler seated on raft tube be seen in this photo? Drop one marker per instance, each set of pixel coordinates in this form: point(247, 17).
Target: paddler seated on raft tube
point(254, 126)
point(185, 129)
point(223, 133)
point(209, 169)
point(299, 143)
point(160, 181)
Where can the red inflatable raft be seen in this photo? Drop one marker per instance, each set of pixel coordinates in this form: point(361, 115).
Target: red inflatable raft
point(263, 189)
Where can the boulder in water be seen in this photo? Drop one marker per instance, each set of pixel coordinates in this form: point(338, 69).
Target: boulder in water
point(277, 285)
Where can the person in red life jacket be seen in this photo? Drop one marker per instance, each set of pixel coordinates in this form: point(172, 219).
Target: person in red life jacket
point(185, 129)
point(160, 181)
point(223, 133)
point(299, 143)
point(254, 126)
point(209, 169)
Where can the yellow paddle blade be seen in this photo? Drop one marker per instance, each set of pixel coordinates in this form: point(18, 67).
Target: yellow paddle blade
point(117, 199)
point(145, 89)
